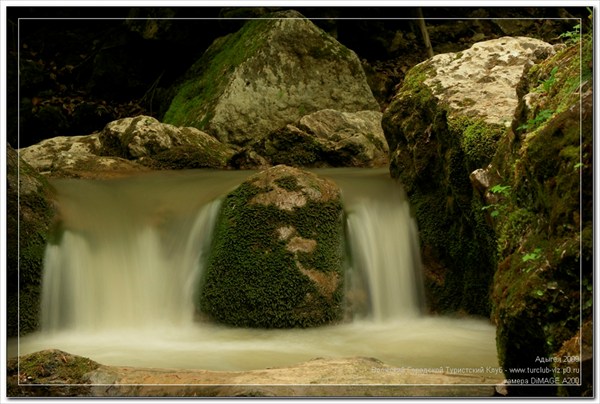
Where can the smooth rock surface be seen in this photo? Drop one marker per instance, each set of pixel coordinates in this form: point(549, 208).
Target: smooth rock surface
point(75, 156)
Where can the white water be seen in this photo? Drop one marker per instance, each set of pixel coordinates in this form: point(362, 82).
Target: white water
point(119, 287)
point(385, 249)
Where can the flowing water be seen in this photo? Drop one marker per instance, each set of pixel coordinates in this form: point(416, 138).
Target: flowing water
point(119, 285)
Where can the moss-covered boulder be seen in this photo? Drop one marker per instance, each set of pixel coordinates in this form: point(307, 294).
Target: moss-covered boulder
point(30, 216)
point(270, 73)
point(542, 292)
point(49, 373)
point(444, 123)
point(277, 256)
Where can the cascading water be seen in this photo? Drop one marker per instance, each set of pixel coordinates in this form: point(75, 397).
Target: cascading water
point(385, 250)
point(119, 285)
point(142, 275)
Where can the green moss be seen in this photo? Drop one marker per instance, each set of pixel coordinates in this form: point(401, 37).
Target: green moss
point(190, 156)
point(478, 139)
point(289, 183)
point(252, 280)
point(464, 244)
point(207, 79)
point(55, 366)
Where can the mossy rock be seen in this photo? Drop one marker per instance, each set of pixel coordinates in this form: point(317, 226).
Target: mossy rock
point(34, 375)
point(430, 157)
point(277, 255)
point(270, 73)
point(30, 218)
point(543, 285)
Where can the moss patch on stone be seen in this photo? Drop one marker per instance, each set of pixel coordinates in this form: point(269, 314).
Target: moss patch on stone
point(478, 140)
point(432, 157)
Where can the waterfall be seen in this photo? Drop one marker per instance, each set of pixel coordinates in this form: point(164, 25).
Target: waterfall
point(385, 252)
point(121, 269)
point(130, 252)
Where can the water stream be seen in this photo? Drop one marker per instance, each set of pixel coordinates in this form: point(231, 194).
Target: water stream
point(119, 285)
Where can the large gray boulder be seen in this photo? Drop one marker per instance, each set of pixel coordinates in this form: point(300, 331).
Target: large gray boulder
point(268, 74)
point(277, 254)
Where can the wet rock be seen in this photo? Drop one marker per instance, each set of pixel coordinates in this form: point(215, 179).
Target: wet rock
point(268, 74)
point(329, 138)
point(276, 260)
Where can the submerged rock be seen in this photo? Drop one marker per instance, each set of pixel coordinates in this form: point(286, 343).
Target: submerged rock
point(329, 138)
point(268, 74)
point(276, 258)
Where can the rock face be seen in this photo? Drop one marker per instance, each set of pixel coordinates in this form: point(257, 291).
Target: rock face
point(480, 82)
point(30, 216)
point(328, 138)
point(268, 74)
point(440, 127)
point(276, 258)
